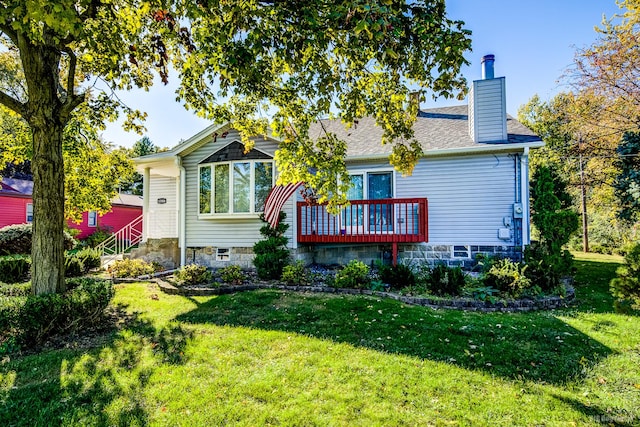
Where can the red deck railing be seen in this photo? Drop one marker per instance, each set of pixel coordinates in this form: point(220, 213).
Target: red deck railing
point(365, 221)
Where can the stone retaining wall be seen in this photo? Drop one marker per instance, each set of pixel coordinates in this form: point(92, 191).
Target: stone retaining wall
point(466, 304)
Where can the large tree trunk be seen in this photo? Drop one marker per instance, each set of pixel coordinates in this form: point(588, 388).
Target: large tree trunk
point(47, 251)
point(45, 117)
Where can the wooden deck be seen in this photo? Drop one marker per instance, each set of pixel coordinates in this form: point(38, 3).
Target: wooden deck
point(366, 221)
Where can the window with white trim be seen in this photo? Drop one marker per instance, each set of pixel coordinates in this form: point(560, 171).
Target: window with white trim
point(29, 212)
point(223, 254)
point(461, 251)
point(92, 219)
point(234, 182)
point(235, 187)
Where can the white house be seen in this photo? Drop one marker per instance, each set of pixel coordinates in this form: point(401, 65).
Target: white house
point(469, 194)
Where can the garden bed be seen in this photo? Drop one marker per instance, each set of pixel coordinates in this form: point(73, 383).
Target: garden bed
point(468, 304)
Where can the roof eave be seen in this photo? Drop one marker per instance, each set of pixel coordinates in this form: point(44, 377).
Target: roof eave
point(489, 148)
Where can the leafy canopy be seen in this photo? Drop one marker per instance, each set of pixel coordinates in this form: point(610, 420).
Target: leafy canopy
point(242, 61)
point(293, 61)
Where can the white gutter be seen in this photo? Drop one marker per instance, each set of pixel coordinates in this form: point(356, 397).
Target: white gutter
point(489, 148)
point(182, 221)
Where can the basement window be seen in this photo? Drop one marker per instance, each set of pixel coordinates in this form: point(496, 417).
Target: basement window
point(223, 254)
point(461, 251)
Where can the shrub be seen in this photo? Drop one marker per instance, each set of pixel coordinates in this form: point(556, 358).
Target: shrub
point(130, 268)
point(192, 274)
point(397, 276)
point(547, 266)
point(482, 293)
point(626, 287)
point(353, 275)
point(90, 258)
point(484, 262)
point(232, 274)
point(507, 277)
point(16, 239)
point(271, 254)
point(14, 268)
point(295, 274)
point(445, 280)
point(15, 290)
point(97, 237)
point(73, 267)
point(28, 321)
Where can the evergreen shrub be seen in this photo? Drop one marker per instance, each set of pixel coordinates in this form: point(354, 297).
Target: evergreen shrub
point(626, 287)
point(271, 253)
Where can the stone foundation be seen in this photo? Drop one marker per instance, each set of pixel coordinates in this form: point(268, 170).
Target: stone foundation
point(163, 251)
point(167, 253)
point(208, 256)
point(407, 253)
point(445, 254)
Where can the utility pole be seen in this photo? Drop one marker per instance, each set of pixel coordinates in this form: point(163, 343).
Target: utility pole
point(583, 191)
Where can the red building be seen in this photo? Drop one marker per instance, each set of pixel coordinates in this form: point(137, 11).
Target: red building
point(16, 208)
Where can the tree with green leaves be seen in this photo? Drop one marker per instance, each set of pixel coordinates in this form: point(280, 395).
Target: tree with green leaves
point(575, 148)
point(236, 61)
point(142, 147)
point(627, 183)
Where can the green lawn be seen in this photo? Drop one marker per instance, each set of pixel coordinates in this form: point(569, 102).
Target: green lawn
point(277, 358)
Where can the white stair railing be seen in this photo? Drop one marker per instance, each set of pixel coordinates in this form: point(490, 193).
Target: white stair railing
point(121, 241)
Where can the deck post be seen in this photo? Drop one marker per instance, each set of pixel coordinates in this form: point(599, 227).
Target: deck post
point(394, 250)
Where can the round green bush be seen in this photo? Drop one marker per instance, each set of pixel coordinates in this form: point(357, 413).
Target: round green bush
point(353, 275)
point(16, 239)
point(14, 268)
point(29, 320)
point(192, 274)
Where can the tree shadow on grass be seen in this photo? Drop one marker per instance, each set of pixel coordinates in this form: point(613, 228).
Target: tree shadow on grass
point(601, 416)
point(534, 346)
point(96, 386)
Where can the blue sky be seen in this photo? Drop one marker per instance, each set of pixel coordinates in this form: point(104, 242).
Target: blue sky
point(533, 41)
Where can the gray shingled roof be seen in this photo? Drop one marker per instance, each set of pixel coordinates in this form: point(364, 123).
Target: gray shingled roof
point(127, 199)
point(21, 186)
point(435, 129)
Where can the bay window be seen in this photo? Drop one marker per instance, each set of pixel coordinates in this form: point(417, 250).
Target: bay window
point(236, 187)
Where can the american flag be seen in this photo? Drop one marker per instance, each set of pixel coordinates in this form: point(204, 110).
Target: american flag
point(277, 197)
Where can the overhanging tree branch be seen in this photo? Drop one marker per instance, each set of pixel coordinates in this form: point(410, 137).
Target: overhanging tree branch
point(13, 104)
point(6, 29)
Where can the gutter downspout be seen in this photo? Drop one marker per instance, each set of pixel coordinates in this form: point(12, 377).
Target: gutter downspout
point(182, 221)
point(145, 203)
point(524, 181)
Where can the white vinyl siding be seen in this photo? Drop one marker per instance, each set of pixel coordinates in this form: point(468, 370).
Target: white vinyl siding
point(468, 197)
point(225, 232)
point(487, 111)
point(163, 208)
